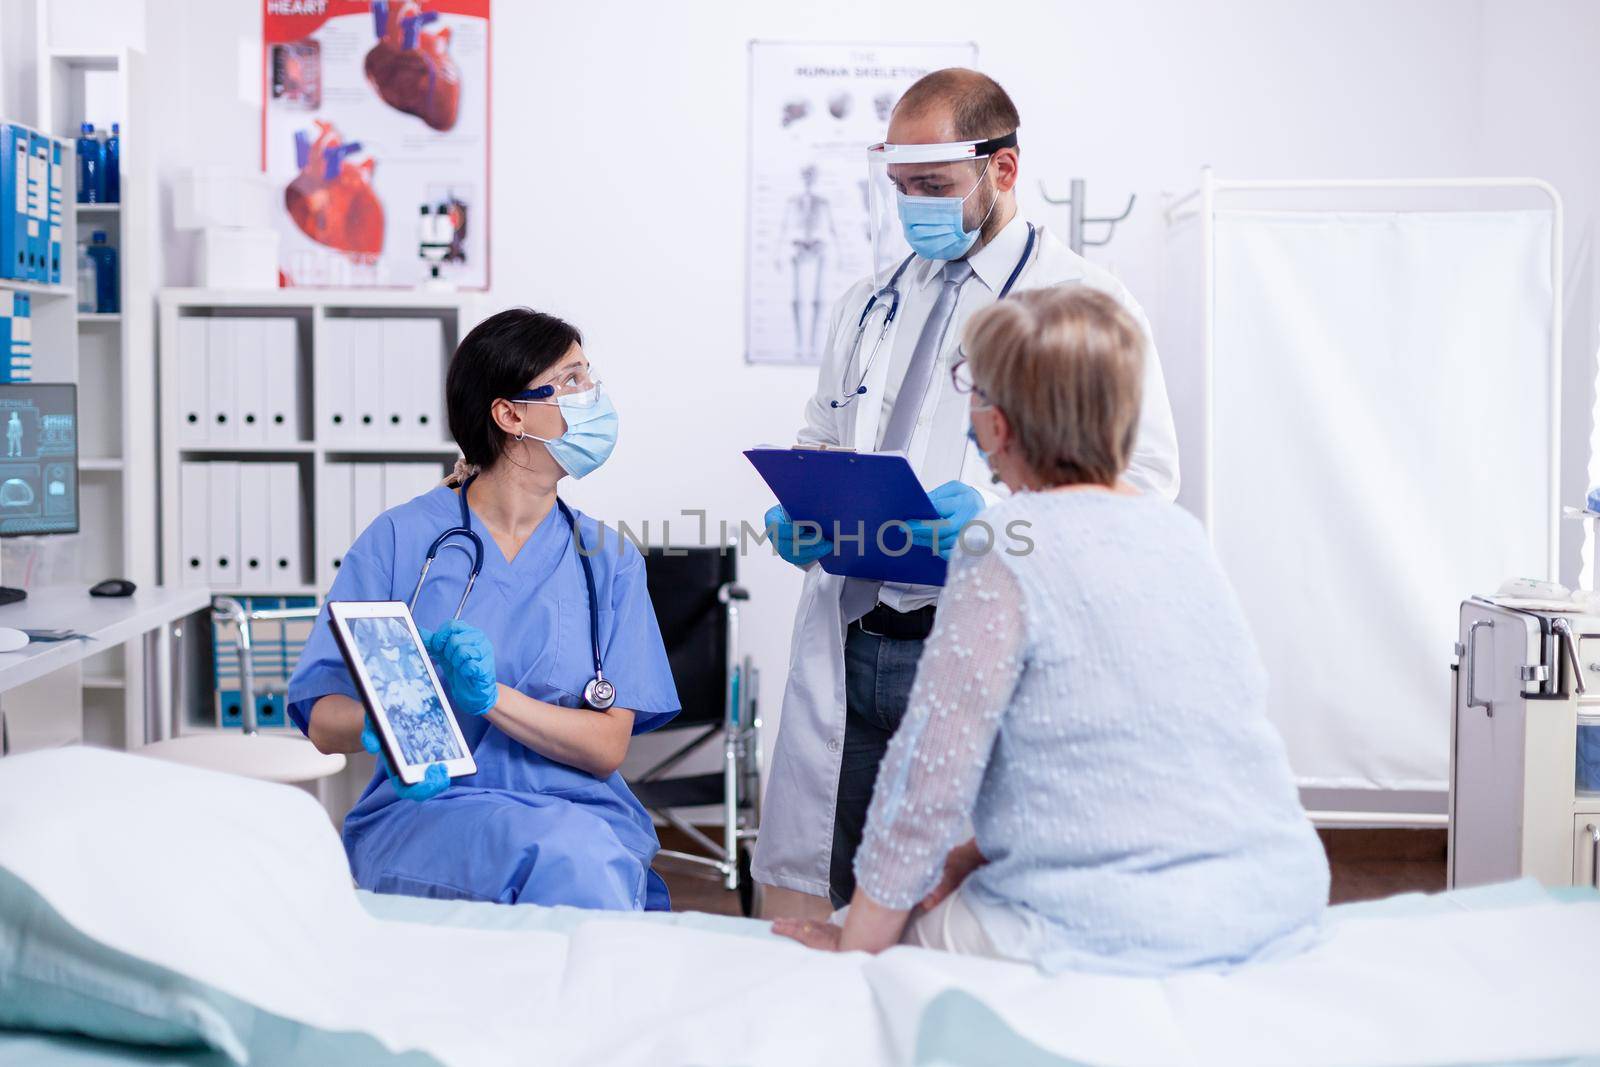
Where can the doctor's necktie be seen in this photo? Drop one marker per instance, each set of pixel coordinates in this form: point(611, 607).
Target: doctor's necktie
point(902, 423)
point(860, 595)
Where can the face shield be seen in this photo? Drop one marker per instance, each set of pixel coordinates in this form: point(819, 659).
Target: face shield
point(931, 198)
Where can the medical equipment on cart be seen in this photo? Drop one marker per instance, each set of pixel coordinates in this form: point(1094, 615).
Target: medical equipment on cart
point(1525, 742)
point(598, 692)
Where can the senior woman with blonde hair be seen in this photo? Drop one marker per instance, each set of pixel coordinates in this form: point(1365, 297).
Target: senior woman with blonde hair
point(1090, 702)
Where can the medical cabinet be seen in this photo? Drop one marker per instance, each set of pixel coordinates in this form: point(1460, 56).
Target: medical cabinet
point(1525, 746)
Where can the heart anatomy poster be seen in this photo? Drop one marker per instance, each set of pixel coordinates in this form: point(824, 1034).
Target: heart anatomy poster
point(375, 134)
point(814, 109)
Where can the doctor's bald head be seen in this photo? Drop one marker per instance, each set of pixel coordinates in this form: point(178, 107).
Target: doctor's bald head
point(953, 104)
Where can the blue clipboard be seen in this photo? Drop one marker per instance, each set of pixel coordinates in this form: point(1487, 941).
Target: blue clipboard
point(870, 493)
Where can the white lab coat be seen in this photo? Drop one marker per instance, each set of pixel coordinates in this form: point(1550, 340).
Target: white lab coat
point(795, 844)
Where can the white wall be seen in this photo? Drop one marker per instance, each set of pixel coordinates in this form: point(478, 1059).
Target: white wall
point(1541, 88)
point(619, 203)
point(619, 163)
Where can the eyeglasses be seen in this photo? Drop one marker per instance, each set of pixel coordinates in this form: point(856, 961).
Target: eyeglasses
point(572, 384)
point(961, 377)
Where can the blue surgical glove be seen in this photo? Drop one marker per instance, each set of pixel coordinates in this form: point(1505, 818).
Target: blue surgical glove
point(797, 546)
point(957, 504)
point(435, 780)
point(464, 659)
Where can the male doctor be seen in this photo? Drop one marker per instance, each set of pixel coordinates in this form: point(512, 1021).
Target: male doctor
point(951, 166)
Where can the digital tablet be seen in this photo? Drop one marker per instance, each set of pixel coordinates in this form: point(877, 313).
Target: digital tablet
point(402, 695)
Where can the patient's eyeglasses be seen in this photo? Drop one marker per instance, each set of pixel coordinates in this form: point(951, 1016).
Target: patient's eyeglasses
point(961, 377)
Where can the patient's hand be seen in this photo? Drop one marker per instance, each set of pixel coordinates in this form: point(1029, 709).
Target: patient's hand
point(962, 861)
point(868, 927)
point(812, 933)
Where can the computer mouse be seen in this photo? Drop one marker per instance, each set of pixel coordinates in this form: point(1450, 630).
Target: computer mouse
point(113, 587)
point(12, 640)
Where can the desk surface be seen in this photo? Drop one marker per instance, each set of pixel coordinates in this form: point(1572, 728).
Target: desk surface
point(108, 621)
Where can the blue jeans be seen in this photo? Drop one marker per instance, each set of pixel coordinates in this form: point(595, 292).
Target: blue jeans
point(878, 672)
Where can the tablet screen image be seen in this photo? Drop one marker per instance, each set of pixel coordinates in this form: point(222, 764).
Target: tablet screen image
point(400, 682)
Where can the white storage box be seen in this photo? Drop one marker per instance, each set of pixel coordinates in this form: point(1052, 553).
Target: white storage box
point(238, 259)
point(219, 196)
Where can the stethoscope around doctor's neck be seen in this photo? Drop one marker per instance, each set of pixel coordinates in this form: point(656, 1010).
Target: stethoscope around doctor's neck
point(598, 692)
point(887, 300)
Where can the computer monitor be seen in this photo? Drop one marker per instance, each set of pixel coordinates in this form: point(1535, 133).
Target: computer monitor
point(38, 459)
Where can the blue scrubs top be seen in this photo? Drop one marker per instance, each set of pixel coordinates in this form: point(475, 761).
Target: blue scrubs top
point(523, 828)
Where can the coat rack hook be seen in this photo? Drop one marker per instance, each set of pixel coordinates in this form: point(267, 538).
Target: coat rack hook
point(1044, 192)
point(1076, 219)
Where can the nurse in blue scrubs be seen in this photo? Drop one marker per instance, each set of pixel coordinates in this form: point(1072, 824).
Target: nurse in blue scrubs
point(546, 819)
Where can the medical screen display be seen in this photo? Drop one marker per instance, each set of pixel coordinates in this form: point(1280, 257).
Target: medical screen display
point(39, 473)
point(394, 663)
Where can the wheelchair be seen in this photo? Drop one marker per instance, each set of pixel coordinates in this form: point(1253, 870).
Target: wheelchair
point(697, 597)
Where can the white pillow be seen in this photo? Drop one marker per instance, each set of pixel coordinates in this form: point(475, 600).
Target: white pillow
point(54, 979)
point(90, 845)
point(184, 906)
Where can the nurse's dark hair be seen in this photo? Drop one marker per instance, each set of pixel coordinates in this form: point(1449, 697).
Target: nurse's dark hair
point(977, 106)
point(497, 360)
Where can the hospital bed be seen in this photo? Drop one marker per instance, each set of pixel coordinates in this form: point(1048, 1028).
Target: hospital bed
point(122, 916)
point(697, 597)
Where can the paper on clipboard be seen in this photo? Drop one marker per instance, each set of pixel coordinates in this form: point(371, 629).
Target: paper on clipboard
point(862, 502)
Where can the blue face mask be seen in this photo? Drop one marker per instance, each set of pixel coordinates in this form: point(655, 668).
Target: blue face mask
point(590, 436)
point(933, 224)
point(972, 435)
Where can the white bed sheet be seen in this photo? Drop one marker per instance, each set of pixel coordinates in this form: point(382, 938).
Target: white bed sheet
point(124, 849)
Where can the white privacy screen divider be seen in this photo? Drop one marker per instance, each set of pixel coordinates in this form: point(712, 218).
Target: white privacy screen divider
point(1376, 427)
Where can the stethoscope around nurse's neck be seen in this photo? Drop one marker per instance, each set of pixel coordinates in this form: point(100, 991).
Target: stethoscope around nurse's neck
point(887, 300)
point(598, 693)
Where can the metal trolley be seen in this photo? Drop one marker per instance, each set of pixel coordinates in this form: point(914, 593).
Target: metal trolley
point(697, 597)
point(241, 706)
point(270, 755)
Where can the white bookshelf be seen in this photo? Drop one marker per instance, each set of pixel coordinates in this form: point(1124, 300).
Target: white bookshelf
point(111, 359)
point(311, 310)
point(115, 357)
point(37, 288)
